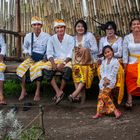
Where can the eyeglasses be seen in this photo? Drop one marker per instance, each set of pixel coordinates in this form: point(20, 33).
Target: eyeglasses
point(36, 24)
point(109, 29)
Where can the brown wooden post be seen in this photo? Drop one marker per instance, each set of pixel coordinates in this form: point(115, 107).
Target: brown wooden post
point(18, 26)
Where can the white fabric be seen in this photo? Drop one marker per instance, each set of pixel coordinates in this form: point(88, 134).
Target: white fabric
point(109, 71)
point(1, 76)
point(59, 24)
point(116, 46)
point(60, 50)
point(89, 41)
point(130, 47)
point(36, 22)
point(2, 45)
point(39, 43)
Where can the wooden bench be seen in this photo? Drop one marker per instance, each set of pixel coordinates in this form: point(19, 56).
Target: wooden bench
point(10, 72)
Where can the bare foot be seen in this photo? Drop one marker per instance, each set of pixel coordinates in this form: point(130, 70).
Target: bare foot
point(22, 96)
point(117, 113)
point(37, 98)
point(3, 102)
point(97, 116)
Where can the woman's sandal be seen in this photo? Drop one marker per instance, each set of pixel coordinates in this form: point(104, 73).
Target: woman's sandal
point(71, 99)
point(128, 105)
point(59, 99)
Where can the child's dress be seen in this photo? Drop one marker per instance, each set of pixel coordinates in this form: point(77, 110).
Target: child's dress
point(105, 103)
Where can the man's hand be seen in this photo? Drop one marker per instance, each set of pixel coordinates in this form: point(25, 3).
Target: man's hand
point(1, 58)
point(54, 66)
point(60, 67)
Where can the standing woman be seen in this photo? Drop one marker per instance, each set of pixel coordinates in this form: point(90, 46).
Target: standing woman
point(116, 43)
point(131, 60)
point(111, 39)
point(84, 55)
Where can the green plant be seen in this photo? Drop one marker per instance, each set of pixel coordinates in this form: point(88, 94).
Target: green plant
point(11, 87)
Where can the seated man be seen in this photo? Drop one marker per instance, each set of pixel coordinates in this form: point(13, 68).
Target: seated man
point(2, 68)
point(59, 54)
point(34, 47)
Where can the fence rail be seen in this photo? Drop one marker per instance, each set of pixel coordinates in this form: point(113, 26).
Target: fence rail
point(120, 11)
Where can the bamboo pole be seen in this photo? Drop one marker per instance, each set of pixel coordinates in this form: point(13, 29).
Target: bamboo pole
point(18, 42)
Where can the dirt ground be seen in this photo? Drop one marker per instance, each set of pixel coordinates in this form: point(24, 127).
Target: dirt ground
point(73, 121)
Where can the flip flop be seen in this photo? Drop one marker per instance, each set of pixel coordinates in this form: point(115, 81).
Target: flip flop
point(71, 99)
point(59, 99)
point(27, 106)
point(128, 105)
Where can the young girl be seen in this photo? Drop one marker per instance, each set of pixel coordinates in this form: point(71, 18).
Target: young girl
point(108, 73)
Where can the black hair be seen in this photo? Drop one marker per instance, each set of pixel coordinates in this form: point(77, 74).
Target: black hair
point(83, 23)
point(112, 24)
point(107, 47)
point(130, 24)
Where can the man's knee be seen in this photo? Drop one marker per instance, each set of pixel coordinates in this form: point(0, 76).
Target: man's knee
point(67, 74)
point(48, 74)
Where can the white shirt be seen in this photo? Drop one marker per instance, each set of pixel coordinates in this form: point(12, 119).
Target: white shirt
point(89, 41)
point(2, 45)
point(60, 50)
point(116, 46)
point(39, 43)
point(130, 47)
point(109, 71)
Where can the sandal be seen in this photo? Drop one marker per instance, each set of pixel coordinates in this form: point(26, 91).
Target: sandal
point(77, 99)
point(59, 99)
point(71, 99)
point(54, 98)
point(128, 105)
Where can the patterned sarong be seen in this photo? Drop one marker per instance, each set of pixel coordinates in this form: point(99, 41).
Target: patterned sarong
point(105, 103)
point(83, 74)
point(119, 83)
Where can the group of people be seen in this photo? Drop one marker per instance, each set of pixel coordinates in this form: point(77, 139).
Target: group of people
point(78, 57)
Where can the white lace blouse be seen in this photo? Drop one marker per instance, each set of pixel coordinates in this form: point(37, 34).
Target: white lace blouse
point(130, 47)
point(89, 41)
point(109, 71)
point(116, 46)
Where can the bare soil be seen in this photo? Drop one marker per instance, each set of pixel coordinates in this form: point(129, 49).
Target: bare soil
point(73, 121)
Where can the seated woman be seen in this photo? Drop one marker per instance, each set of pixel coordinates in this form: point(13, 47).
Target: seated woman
point(108, 72)
point(84, 55)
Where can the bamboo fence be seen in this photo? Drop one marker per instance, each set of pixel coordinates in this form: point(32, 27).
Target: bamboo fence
point(120, 11)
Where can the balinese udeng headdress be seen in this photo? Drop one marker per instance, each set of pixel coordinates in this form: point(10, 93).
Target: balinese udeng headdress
point(36, 20)
point(59, 22)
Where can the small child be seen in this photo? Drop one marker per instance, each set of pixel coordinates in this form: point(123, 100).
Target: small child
point(2, 68)
point(108, 72)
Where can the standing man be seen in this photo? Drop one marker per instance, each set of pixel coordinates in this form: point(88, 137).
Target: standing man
point(34, 47)
point(59, 54)
point(2, 68)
